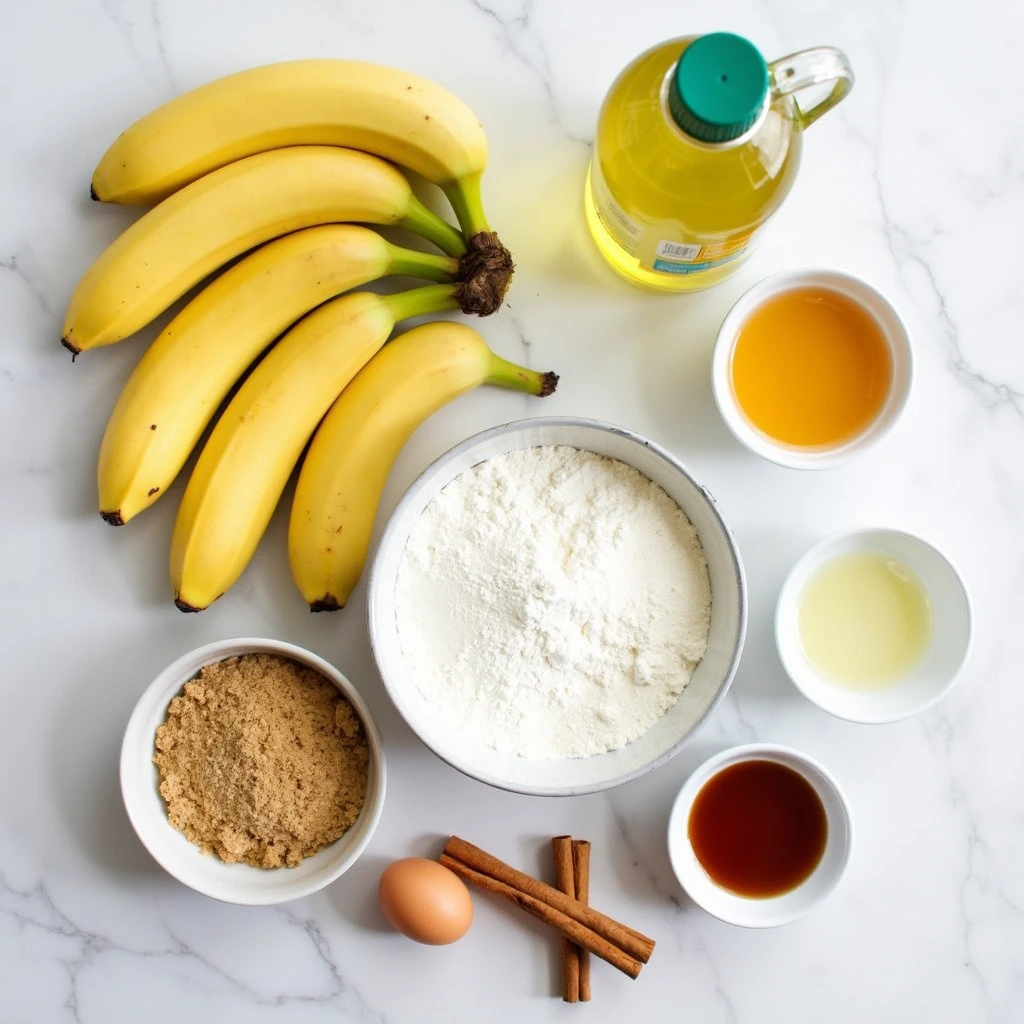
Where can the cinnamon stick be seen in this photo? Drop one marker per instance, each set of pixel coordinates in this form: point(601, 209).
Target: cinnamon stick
point(572, 929)
point(581, 877)
point(565, 879)
point(637, 946)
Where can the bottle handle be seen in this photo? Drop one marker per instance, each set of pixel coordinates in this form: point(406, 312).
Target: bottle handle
point(819, 66)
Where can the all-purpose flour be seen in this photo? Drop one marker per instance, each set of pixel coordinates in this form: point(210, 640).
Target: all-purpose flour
point(552, 602)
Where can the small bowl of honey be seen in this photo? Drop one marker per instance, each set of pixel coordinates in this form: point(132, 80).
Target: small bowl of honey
point(873, 625)
point(759, 835)
point(811, 367)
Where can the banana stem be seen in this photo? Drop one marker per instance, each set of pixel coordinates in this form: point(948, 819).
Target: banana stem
point(427, 223)
point(464, 195)
point(431, 298)
point(427, 265)
point(508, 375)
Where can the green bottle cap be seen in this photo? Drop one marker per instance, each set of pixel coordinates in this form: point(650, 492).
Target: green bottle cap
point(718, 88)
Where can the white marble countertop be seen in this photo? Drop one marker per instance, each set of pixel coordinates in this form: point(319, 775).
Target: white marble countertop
point(914, 183)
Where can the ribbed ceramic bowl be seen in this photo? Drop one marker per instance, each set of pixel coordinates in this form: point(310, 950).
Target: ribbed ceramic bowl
point(711, 679)
point(236, 883)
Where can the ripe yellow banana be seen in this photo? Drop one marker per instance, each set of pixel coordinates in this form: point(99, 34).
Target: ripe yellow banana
point(184, 375)
point(227, 212)
point(347, 464)
point(382, 110)
point(256, 443)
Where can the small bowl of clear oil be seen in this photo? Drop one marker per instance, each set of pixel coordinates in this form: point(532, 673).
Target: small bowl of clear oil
point(873, 625)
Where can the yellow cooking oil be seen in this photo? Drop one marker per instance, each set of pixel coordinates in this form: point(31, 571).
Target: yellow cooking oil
point(698, 143)
point(865, 620)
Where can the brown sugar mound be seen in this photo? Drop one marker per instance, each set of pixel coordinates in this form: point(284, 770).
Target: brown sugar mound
point(261, 760)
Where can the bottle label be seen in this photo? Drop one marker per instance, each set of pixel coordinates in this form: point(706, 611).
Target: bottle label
point(689, 258)
point(645, 244)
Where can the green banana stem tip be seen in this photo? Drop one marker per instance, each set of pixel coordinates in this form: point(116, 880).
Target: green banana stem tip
point(428, 265)
point(520, 378)
point(464, 195)
point(427, 223)
point(431, 298)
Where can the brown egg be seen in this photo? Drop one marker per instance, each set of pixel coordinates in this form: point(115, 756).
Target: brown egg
point(425, 901)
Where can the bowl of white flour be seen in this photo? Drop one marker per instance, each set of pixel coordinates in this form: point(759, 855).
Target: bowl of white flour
point(556, 605)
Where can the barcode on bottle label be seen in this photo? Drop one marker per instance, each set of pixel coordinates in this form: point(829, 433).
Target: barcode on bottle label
point(675, 251)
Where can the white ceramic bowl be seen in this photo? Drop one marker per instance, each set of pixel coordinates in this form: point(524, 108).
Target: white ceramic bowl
point(774, 910)
point(875, 304)
point(941, 664)
point(236, 883)
point(711, 679)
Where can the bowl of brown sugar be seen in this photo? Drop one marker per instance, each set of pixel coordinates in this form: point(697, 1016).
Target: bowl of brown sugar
point(252, 771)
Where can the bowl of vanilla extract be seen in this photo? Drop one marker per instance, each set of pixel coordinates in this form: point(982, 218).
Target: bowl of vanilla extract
point(759, 835)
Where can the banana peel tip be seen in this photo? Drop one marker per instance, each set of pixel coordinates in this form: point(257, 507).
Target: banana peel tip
point(549, 384)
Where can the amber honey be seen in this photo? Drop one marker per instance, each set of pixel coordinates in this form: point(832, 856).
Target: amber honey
point(758, 828)
point(811, 368)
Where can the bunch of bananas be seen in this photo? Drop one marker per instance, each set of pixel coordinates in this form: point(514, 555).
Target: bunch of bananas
point(285, 164)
